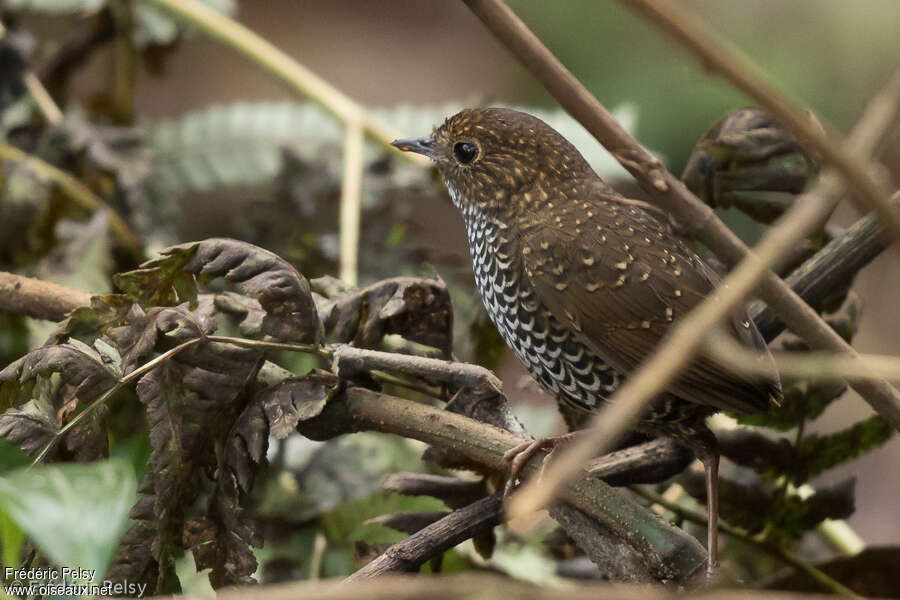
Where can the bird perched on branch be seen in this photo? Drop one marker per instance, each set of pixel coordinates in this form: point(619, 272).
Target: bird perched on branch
point(583, 283)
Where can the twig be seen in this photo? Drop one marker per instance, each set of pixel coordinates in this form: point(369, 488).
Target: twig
point(455, 528)
point(827, 581)
point(691, 33)
point(124, 62)
point(261, 345)
point(350, 361)
point(76, 192)
point(832, 267)
point(741, 360)
point(692, 214)
point(45, 104)
point(42, 99)
point(351, 190)
point(453, 491)
point(650, 462)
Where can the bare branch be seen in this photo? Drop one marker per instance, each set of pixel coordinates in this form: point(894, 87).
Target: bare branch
point(741, 360)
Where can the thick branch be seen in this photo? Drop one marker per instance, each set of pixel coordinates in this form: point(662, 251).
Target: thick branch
point(417, 549)
point(38, 299)
point(667, 552)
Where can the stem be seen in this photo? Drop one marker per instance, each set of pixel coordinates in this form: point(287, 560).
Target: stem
point(260, 345)
point(78, 193)
point(696, 517)
point(351, 191)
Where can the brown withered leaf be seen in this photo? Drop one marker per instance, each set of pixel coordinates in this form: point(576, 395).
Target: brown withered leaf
point(36, 407)
point(281, 290)
point(417, 309)
point(296, 399)
point(196, 402)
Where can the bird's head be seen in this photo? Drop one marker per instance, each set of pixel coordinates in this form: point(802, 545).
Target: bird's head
point(490, 158)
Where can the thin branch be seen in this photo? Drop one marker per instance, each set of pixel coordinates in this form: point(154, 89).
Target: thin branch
point(262, 345)
point(453, 491)
point(349, 362)
point(45, 104)
point(692, 214)
point(42, 99)
point(739, 359)
point(417, 549)
point(824, 579)
point(76, 192)
point(717, 57)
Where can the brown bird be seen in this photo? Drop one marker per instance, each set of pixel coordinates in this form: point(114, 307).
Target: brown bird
point(581, 282)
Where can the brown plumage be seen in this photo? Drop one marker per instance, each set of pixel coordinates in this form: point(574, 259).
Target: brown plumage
point(581, 282)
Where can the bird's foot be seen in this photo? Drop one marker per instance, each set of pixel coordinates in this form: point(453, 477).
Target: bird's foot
point(518, 456)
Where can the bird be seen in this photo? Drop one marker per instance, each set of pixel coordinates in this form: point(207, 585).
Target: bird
point(583, 283)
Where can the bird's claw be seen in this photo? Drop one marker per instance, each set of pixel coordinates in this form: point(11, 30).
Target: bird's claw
point(518, 457)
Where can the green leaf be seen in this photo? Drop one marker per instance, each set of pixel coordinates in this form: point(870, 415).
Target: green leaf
point(75, 513)
point(11, 538)
point(816, 453)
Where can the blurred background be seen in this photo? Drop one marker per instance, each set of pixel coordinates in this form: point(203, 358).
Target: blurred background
point(830, 55)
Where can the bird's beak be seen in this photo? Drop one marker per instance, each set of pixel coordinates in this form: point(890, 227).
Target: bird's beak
point(420, 146)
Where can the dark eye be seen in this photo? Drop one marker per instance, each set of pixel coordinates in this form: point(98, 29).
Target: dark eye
point(465, 152)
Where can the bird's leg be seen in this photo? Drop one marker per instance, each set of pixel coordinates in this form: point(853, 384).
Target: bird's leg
point(711, 466)
point(518, 456)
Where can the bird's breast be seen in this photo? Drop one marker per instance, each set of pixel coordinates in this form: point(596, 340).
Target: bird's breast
point(551, 352)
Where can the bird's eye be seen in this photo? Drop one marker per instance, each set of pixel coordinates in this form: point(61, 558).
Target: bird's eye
point(465, 152)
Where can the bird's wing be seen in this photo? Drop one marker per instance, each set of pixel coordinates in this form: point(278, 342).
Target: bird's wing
point(618, 278)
